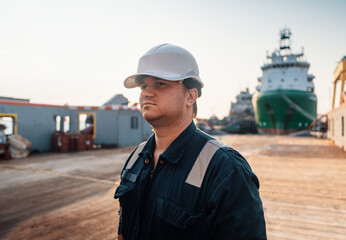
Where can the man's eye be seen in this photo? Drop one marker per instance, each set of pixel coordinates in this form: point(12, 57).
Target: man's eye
point(161, 83)
point(143, 87)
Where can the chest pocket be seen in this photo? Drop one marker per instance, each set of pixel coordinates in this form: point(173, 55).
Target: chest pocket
point(177, 214)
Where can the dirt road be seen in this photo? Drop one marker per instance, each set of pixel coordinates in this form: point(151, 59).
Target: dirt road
point(70, 196)
point(60, 196)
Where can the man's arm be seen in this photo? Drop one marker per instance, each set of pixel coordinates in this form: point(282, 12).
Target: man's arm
point(236, 207)
point(133, 154)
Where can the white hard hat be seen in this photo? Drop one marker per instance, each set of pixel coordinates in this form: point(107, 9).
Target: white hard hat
point(168, 62)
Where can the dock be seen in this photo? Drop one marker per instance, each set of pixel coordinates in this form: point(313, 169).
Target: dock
point(70, 195)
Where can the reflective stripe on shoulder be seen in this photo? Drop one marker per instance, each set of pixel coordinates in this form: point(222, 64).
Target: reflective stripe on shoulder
point(135, 155)
point(198, 170)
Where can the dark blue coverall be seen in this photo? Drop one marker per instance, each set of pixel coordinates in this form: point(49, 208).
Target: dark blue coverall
point(200, 189)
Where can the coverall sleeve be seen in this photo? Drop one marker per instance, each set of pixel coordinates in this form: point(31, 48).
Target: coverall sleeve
point(237, 211)
point(119, 227)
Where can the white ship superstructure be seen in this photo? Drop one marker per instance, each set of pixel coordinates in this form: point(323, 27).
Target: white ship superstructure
point(285, 101)
point(284, 70)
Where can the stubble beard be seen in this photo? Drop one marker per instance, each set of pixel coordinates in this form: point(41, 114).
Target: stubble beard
point(155, 121)
point(163, 120)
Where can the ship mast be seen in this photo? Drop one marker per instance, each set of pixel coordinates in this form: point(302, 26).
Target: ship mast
point(285, 41)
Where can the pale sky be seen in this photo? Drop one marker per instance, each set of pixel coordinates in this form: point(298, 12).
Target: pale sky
point(79, 51)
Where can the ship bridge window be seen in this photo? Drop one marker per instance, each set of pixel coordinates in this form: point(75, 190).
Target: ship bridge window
point(8, 123)
point(87, 123)
point(245, 98)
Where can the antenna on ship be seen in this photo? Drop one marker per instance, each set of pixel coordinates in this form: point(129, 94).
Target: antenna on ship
point(285, 40)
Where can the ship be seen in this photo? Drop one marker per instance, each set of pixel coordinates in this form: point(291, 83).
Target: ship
point(285, 101)
point(241, 116)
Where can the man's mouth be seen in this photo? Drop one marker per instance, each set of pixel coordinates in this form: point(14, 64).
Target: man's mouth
point(147, 103)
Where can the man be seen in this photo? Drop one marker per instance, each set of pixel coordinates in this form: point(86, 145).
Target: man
point(182, 183)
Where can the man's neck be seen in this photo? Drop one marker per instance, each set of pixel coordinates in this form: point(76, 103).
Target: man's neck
point(165, 135)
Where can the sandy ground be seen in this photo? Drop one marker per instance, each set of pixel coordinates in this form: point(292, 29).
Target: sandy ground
point(70, 196)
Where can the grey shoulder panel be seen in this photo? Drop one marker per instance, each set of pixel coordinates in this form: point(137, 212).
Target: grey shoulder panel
point(135, 155)
point(199, 169)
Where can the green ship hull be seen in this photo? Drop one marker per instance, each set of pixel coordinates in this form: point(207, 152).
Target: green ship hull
point(284, 111)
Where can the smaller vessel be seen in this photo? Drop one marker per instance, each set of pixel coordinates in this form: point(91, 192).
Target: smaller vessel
point(285, 101)
point(241, 118)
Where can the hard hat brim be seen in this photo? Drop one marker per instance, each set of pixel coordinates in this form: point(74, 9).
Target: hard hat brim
point(131, 82)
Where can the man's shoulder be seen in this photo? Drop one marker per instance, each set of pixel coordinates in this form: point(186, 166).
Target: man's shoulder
point(229, 158)
point(221, 155)
point(224, 150)
point(219, 161)
point(224, 156)
point(203, 138)
point(134, 155)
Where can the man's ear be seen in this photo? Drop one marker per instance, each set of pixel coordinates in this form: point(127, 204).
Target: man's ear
point(192, 96)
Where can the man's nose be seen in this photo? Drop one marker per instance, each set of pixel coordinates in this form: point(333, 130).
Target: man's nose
point(148, 91)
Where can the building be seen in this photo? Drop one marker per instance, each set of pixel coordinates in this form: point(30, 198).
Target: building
point(110, 125)
point(336, 117)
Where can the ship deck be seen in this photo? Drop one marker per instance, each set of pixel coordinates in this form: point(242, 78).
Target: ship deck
point(64, 196)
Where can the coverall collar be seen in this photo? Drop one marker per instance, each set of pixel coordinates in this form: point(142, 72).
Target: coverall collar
point(175, 150)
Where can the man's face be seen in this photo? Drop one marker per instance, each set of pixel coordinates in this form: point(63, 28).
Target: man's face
point(162, 101)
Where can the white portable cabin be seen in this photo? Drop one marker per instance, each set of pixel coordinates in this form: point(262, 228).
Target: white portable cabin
point(114, 125)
